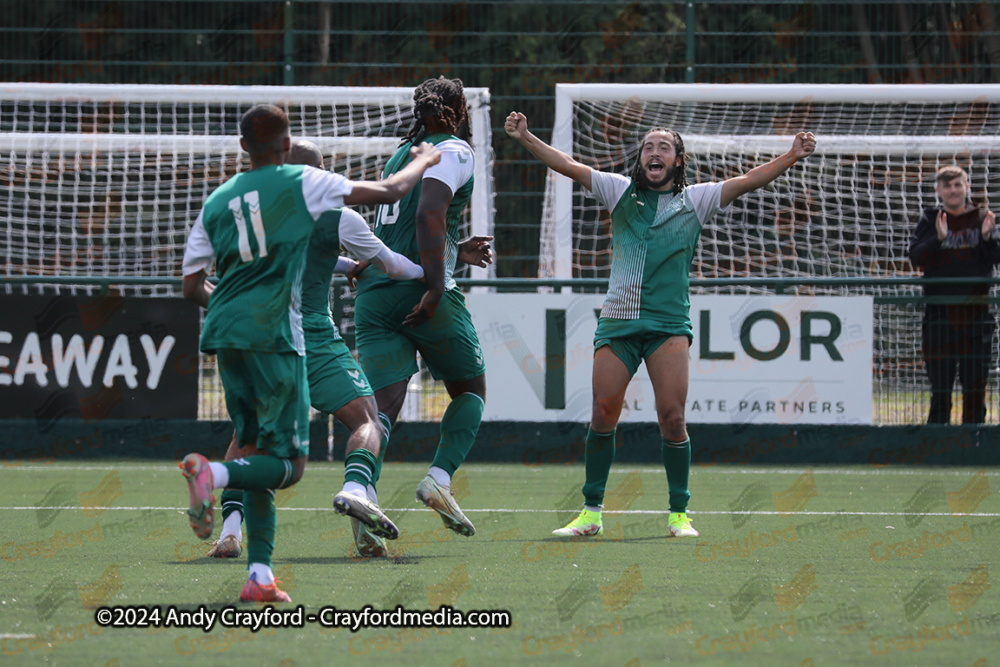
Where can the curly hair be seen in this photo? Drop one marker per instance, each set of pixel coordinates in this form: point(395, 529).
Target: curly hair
point(444, 100)
point(680, 174)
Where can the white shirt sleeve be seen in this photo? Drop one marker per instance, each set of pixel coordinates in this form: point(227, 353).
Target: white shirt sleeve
point(705, 200)
point(608, 188)
point(198, 253)
point(457, 165)
point(397, 266)
point(324, 190)
point(356, 237)
point(344, 265)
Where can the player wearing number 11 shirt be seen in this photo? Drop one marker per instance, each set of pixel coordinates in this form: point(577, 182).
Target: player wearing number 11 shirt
point(256, 227)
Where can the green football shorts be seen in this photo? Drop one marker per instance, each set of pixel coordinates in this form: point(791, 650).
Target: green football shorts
point(335, 378)
point(268, 399)
point(447, 343)
point(632, 341)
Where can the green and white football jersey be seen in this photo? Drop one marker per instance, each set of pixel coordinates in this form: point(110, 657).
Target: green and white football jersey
point(256, 227)
point(396, 223)
point(333, 229)
point(654, 238)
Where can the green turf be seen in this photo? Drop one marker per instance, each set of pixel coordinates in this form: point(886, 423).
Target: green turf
point(761, 587)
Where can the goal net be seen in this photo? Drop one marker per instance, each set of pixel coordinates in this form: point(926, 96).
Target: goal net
point(846, 212)
point(100, 180)
point(106, 180)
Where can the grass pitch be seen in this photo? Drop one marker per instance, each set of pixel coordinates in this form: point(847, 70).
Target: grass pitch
point(817, 566)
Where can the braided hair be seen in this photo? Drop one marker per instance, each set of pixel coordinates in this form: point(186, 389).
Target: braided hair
point(680, 173)
point(443, 100)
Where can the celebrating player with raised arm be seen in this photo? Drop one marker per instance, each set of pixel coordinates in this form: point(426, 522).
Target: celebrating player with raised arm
point(396, 319)
point(656, 220)
point(256, 227)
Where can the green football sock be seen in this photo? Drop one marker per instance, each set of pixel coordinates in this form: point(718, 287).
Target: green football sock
point(677, 461)
point(598, 455)
point(359, 466)
point(383, 447)
point(262, 520)
point(259, 473)
point(231, 501)
point(458, 431)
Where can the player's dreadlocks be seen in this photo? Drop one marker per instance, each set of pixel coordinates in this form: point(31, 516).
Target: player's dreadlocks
point(443, 100)
point(680, 174)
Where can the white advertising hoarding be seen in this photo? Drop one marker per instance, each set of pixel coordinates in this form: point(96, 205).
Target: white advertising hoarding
point(754, 359)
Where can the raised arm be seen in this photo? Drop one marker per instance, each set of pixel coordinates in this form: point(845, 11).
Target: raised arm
point(396, 186)
point(516, 126)
point(804, 145)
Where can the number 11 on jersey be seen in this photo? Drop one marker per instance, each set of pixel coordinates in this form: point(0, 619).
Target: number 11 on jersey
point(252, 200)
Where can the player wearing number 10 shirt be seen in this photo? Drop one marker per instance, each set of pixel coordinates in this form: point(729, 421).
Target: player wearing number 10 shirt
point(256, 227)
point(396, 319)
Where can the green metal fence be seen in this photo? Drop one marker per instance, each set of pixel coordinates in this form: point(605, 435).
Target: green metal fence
point(518, 49)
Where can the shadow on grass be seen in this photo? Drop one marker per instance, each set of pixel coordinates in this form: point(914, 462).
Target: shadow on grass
point(347, 560)
point(556, 539)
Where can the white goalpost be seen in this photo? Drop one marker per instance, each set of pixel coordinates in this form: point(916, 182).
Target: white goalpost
point(105, 180)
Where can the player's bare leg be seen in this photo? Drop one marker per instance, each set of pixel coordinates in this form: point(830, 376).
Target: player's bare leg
point(390, 399)
point(609, 381)
point(668, 372)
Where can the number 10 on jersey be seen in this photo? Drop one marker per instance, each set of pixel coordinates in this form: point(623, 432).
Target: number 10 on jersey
point(252, 200)
point(387, 215)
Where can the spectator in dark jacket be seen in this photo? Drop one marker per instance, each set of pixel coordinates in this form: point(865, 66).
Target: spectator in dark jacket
point(957, 240)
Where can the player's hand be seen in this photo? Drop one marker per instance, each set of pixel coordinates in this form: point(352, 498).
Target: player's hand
point(804, 145)
point(355, 273)
point(424, 310)
point(516, 125)
point(989, 222)
point(941, 225)
point(476, 251)
point(427, 152)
